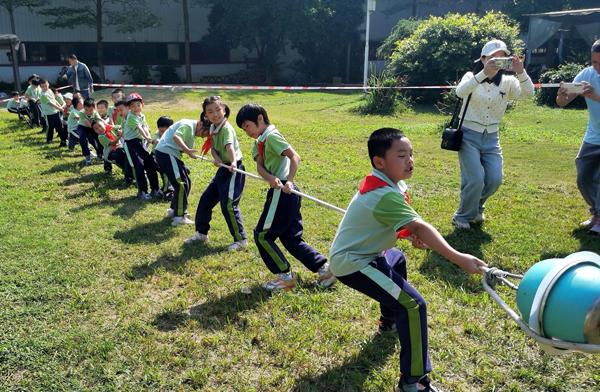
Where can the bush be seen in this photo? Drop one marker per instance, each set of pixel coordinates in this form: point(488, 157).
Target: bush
point(403, 29)
point(138, 73)
point(385, 101)
point(563, 73)
point(442, 49)
point(167, 74)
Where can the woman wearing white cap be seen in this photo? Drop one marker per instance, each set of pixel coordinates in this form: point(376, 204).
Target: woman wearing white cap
point(491, 87)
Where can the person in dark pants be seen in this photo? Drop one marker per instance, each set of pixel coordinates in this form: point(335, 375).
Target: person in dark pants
point(80, 77)
point(84, 130)
point(177, 139)
point(52, 110)
point(363, 256)
point(32, 95)
point(277, 162)
point(227, 186)
point(113, 151)
point(137, 136)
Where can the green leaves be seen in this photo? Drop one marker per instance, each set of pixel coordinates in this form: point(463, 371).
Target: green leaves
point(441, 49)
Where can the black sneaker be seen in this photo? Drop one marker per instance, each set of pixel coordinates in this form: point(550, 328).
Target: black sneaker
point(62, 144)
point(424, 385)
point(158, 194)
point(385, 326)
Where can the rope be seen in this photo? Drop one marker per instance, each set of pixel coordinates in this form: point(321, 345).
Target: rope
point(257, 177)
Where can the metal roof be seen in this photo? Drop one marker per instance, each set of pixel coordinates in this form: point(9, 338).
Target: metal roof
point(583, 16)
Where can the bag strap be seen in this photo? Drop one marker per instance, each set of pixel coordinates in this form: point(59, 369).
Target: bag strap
point(462, 117)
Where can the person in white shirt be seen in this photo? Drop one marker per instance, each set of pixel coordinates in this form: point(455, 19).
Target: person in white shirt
point(480, 155)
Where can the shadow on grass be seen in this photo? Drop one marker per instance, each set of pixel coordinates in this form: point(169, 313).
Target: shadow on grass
point(215, 313)
point(125, 207)
point(351, 375)
point(73, 167)
point(147, 233)
point(161, 231)
point(588, 241)
point(467, 241)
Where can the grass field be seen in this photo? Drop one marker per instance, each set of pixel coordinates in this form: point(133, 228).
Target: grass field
point(98, 292)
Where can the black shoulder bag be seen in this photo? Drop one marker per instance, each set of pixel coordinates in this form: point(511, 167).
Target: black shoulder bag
point(452, 137)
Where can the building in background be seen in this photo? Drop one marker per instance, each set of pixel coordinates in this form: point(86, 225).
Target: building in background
point(46, 49)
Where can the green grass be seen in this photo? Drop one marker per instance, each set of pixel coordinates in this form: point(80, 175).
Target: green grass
point(98, 292)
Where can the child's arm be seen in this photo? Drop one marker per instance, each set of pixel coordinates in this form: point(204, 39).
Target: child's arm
point(231, 156)
point(271, 179)
point(87, 123)
point(216, 158)
point(190, 151)
point(430, 236)
point(294, 163)
point(144, 132)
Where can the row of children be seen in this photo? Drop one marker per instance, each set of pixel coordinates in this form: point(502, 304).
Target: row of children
point(362, 255)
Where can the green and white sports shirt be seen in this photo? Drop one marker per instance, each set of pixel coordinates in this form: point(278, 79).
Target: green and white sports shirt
point(375, 215)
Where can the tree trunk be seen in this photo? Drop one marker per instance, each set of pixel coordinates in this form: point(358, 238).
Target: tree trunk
point(99, 45)
point(186, 28)
point(11, 12)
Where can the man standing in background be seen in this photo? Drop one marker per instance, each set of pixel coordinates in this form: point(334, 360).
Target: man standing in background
point(79, 77)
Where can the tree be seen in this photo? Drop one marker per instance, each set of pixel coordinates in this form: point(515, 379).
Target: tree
point(11, 5)
point(441, 49)
point(323, 32)
point(92, 13)
point(259, 25)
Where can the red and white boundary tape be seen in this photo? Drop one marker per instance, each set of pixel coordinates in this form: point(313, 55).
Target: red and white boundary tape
point(240, 87)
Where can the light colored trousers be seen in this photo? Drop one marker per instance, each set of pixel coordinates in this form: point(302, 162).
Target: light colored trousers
point(480, 159)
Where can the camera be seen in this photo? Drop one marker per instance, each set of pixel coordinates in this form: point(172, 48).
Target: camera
point(504, 62)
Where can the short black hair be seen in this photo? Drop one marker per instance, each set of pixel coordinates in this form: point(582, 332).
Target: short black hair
point(75, 102)
point(164, 122)
point(250, 112)
point(89, 102)
point(102, 102)
point(95, 121)
point(596, 46)
point(117, 90)
point(381, 140)
point(121, 103)
point(42, 80)
point(14, 93)
point(72, 56)
point(36, 81)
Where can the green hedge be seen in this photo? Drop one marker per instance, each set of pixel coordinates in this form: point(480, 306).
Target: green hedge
point(441, 49)
point(563, 73)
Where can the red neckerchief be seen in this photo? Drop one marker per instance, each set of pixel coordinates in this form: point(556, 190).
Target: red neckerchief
point(372, 182)
point(108, 128)
point(66, 111)
point(261, 150)
point(207, 144)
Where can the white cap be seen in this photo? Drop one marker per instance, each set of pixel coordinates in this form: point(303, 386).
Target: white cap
point(68, 96)
point(494, 46)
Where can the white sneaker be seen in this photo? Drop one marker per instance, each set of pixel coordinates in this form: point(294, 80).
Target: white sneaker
point(181, 220)
point(283, 282)
point(197, 237)
point(588, 223)
point(170, 213)
point(479, 218)
point(238, 245)
point(326, 278)
point(460, 224)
